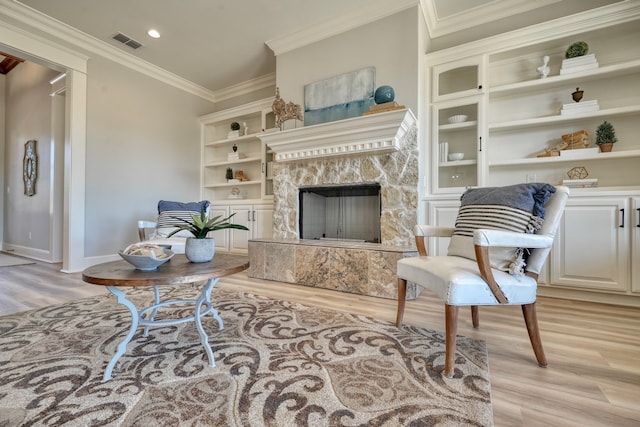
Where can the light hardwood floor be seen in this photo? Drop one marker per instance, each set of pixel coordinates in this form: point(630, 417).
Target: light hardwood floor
point(594, 350)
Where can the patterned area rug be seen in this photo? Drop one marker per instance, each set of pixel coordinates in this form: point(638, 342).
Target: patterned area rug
point(278, 363)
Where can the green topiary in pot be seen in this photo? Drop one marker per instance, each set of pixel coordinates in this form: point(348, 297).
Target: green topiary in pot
point(235, 126)
point(605, 136)
point(576, 49)
point(605, 133)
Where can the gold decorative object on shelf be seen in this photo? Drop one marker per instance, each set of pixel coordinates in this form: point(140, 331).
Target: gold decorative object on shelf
point(285, 111)
point(239, 175)
point(549, 152)
point(579, 172)
point(575, 140)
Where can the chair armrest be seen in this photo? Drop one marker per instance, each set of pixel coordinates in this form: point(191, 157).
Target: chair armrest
point(511, 239)
point(142, 228)
point(422, 231)
point(432, 231)
point(483, 239)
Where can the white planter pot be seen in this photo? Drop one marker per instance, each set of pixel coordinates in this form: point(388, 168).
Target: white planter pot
point(200, 250)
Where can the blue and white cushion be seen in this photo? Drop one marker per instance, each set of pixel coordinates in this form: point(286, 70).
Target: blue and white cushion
point(517, 208)
point(168, 211)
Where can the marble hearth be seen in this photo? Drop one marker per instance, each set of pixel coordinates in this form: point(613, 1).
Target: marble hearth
point(378, 148)
point(361, 268)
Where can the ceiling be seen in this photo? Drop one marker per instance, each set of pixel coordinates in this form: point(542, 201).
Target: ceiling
point(217, 44)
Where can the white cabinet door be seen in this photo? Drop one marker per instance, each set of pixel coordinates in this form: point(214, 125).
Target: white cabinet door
point(221, 236)
point(592, 246)
point(458, 79)
point(262, 222)
point(461, 138)
point(257, 218)
point(634, 223)
point(239, 239)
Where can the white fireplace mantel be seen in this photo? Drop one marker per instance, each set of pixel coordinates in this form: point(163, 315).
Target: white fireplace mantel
point(374, 133)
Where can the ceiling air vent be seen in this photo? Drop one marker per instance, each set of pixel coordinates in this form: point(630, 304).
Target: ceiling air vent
point(127, 40)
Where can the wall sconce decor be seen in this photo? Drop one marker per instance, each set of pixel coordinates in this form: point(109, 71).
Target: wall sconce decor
point(30, 167)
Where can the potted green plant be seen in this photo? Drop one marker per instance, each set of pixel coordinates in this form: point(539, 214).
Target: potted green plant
point(605, 136)
point(576, 49)
point(229, 174)
point(235, 130)
point(201, 248)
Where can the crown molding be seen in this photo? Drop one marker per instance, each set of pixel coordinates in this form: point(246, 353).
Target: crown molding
point(34, 19)
point(32, 47)
point(246, 87)
point(239, 110)
point(479, 15)
point(374, 11)
point(593, 19)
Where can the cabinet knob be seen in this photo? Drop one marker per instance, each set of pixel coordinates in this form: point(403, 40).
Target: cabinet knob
point(479, 86)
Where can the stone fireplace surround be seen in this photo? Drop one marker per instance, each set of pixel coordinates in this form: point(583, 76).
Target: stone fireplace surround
point(378, 148)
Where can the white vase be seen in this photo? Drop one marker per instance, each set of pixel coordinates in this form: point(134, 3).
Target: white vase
point(200, 250)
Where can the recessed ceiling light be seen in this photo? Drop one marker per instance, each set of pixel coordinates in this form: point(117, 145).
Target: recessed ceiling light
point(154, 33)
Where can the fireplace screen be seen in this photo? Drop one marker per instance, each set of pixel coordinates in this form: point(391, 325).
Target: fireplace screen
point(343, 212)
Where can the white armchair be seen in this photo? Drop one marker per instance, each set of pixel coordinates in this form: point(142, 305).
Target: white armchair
point(156, 232)
point(462, 281)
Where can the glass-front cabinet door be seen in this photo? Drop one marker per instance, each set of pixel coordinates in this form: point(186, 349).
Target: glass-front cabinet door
point(458, 79)
point(458, 145)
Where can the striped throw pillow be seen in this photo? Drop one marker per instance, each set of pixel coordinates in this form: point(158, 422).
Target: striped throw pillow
point(167, 210)
point(518, 208)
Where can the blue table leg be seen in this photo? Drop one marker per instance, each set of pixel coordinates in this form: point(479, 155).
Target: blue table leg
point(122, 299)
point(156, 294)
point(205, 300)
point(203, 307)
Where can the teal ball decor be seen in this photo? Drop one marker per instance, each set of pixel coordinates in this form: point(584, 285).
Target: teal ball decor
point(384, 94)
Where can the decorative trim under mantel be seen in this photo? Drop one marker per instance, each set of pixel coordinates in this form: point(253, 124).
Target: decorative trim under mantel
point(374, 133)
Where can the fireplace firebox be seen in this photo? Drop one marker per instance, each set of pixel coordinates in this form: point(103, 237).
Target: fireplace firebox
point(346, 212)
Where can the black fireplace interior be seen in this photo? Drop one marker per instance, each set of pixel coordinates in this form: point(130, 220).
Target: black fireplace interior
point(348, 212)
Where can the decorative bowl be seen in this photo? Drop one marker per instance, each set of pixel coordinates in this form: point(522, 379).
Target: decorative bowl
point(456, 156)
point(458, 118)
point(146, 262)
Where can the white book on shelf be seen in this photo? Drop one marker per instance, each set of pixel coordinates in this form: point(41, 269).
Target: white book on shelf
point(581, 183)
point(579, 61)
point(575, 69)
point(577, 108)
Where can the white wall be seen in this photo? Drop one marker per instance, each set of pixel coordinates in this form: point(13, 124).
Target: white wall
point(28, 116)
point(3, 80)
point(143, 145)
point(390, 45)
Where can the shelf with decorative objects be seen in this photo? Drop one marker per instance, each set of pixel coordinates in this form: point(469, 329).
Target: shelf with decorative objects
point(234, 166)
point(230, 140)
point(539, 112)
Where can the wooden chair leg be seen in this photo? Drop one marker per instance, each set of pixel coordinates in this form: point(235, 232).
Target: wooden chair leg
point(402, 298)
point(531, 320)
point(475, 316)
point(451, 327)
